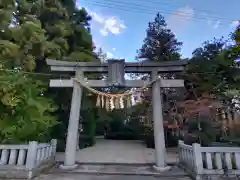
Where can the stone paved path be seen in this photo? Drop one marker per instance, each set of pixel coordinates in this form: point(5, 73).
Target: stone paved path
point(112, 151)
point(104, 177)
point(117, 151)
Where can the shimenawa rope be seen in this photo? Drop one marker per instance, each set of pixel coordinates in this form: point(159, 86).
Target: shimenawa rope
point(114, 101)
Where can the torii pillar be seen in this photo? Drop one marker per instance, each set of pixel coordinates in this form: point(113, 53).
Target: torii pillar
point(159, 140)
point(72, 134)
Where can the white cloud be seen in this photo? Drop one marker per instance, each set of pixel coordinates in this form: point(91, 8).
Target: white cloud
point(104, 25)
point(113, 25)
point(108, 24)
point(180, 18)
point(235, 24)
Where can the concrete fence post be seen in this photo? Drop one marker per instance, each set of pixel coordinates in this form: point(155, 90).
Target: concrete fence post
point(31, 158)
point(31, 154)
point(180, 158)
point(198, 160)
point(54, 147)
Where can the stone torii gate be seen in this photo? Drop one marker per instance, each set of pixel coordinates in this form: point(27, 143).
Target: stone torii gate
point(116, 70)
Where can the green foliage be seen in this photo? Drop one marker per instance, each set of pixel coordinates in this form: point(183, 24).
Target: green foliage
point(160, 43)
point(25, 114)
point(204, 131)
point(116, 125)
point(122, 127)
point(212, 69)
point(232, 91)
point(68, 39)
point(30, 31)
point(87, 137)
point(236, 35)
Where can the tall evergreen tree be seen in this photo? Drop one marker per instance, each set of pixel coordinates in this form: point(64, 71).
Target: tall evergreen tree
point(237, 34)
point(160, 43)
point(233, 91)
point(30, 32)
point(25, 113)
point(213, 70)
point(70, 33)
point(206, 59)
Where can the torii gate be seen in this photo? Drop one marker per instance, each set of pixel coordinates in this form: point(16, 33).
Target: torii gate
point(116, 70)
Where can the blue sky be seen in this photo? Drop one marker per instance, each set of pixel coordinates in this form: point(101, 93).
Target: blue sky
point(119, 26)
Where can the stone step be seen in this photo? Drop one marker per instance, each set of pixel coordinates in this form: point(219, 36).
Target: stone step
point(71, 176)
point(119, 169)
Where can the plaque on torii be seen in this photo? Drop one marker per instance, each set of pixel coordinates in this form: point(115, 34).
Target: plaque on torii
point(116, 70)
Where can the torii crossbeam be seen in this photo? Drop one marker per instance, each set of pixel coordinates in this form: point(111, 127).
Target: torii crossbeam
point(116, 70)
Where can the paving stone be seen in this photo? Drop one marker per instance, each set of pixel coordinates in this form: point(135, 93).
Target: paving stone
point(117, 151)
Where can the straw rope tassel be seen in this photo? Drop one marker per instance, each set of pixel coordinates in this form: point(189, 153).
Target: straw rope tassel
point(121, 102)
point(112, 103)
point(98, 101)
point(103, 102)
point(107, 104)
point(117, 102)
point(128, 101)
